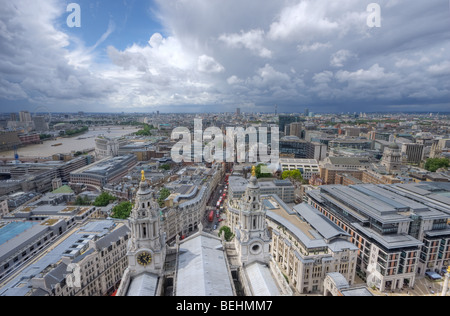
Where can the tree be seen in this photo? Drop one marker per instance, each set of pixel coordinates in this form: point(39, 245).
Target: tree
point(122, 211)
point(165, 167)
point(295, 175)
point(261, 171)
point(82, 201)
point(434, 164)
point(163, 195)
point(227, 231)
point(104, 199)
point(146, 130)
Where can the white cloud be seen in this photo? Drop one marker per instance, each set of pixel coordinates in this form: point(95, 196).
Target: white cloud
point(207, 64)
point(228, 52)
point(323, 77)
point(305, 20)
point(252, 40)
point(374, 73)
point(313, 47)
point(339, 58)
point(442, 68)
point(234, 80)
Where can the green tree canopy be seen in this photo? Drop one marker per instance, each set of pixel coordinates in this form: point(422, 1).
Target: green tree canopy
point(122, 211)
point(292, 174)
point(227, 231)
point(434, 164)
point(165, 167)
point(82, 201)
point(163, 195)
point(262, 172)
point(146, 130)
point(104, 199)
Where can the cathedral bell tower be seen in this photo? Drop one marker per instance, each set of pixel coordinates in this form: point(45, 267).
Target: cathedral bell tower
point(147, 246)
point(252, 237)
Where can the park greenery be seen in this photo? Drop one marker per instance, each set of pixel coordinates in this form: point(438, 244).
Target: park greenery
point(433, 164)
point(295, 175)
point(72, 132)
point(122, 211)
point(82, 201)
point(104, 199)
point(165, 167)
point(145, 131)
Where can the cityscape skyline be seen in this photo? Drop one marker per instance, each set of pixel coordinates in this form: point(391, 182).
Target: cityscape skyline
point(200, 56)
point(227, 148)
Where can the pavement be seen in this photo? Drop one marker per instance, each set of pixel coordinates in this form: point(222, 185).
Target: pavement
point(422, 287)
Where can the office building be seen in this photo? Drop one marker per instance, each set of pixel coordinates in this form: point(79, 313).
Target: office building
point(90, 261)
point(308, 167)
point(108, 170)
point(293, 147)
point(106, 147)
point(285, 120)
point(296, 129)
point(397, 236)
point(40, 125)
point(24, 116)
point(304, 245)
point(283, 188)
point(413, 152)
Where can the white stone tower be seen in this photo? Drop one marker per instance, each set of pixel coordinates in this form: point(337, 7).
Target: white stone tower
point(252, 236)
point(392, 158)
point(146, 248)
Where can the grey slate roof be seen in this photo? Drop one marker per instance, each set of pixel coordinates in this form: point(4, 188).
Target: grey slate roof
point(202, 268)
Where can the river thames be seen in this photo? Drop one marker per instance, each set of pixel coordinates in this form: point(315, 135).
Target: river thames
point(73, 144)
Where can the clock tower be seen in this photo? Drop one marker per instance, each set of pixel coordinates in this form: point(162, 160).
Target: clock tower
point(147, 246)
point(252, 236)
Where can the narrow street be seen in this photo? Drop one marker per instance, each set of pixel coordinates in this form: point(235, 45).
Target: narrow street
point(211, 206)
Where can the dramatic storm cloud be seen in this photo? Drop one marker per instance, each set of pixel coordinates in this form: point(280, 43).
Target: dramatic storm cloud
point(216, 55)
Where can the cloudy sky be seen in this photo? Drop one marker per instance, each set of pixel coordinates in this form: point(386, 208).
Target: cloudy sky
point(217, 55)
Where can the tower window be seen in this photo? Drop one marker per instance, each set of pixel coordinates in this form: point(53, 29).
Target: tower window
point(144, 231)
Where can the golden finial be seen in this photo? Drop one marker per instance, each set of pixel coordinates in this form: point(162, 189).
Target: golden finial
point(143, 176)
point(253, 171)
point(448, 270)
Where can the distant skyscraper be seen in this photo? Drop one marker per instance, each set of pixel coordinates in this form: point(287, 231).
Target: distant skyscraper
point(286, 120)
point(306, 112)
point(13, 117)
point(25, 116)
point(40, 124)
point(238, 111)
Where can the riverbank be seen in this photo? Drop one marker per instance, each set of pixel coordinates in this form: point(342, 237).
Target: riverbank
point(76, 143)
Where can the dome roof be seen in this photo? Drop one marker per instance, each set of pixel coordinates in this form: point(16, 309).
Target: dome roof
point(394, 146)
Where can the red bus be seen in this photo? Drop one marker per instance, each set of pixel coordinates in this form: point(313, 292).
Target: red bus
point(211, 216)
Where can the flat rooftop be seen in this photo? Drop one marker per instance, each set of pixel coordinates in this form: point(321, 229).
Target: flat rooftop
point(310, 227)
point(14, 229)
